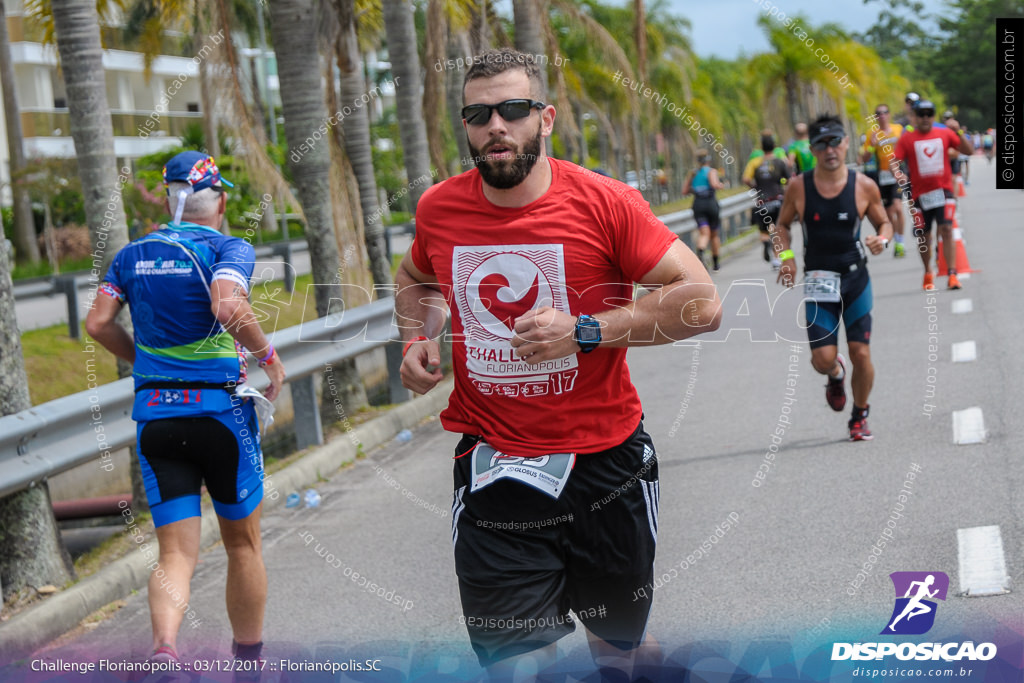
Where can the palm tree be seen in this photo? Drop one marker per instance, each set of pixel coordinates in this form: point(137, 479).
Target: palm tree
point(434, 83)
point(792, 64)
point(31, 550)
point(221, 91)
point(531, 21)
point(405, 69)
point(293, 26)
point(24, 227)
point(356, 130)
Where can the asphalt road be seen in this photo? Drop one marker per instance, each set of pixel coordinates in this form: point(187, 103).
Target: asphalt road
point(776, 589)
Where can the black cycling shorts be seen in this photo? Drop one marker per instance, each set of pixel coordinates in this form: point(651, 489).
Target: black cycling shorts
point(938, 215)
point(766, 215)
point(177, 455)
point(854, 310)
point(889, 193)
point(525, 559)
point(706, 212)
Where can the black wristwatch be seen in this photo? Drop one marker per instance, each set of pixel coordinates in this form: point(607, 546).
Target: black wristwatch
point(588, 333)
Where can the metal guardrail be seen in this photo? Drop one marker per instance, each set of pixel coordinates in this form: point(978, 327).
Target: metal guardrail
point(70, 284)
point(64, 433)
point(60, 434)
point(732, 212)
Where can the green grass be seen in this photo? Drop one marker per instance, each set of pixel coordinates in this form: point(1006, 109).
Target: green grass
point(58, 365)
point(42, 268)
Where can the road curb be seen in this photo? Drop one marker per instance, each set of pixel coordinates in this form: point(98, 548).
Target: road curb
point(33, 628)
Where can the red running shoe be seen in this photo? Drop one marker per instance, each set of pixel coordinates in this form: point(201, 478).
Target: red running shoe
point(859, 430)
point(835, 392)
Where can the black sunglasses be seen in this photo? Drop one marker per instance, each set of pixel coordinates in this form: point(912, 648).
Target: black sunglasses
point(879, 112)
point(510, 110)
point(925, 112)
point(822, 144)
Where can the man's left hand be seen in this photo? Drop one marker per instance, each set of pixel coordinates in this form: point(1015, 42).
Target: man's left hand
point(544, 334)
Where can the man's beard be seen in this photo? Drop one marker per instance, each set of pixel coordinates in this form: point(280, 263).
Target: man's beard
point(505, 174)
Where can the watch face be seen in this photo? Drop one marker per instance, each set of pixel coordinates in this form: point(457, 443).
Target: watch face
point(590, 334)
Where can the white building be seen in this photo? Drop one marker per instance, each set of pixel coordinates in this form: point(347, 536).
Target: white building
point(147, 115)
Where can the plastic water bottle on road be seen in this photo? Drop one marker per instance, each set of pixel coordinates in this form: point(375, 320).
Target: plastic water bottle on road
point(312, 498)
point(404, 436)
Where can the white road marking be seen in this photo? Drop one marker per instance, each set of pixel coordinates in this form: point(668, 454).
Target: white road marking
point(965, 352)
point(982, 564)
point(968, 426)
point(962, 306)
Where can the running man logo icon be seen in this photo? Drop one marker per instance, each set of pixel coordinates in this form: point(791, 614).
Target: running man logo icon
point(914, 613)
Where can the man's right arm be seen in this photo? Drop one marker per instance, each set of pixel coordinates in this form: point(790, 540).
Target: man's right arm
point(421, 310)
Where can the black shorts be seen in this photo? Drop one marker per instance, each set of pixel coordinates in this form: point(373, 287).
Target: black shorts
point(767, 214)
point(525, 559)
point(889, 193)
point(177, 455)
point(938, 215)
point(854, 310)
point(706, 212)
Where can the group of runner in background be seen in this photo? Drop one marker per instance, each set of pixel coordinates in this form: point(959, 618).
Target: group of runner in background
point(771, 166)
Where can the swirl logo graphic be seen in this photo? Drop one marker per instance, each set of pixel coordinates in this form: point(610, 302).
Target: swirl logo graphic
point(495, 285)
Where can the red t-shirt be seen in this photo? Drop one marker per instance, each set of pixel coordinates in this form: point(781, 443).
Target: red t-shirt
point(927, 158)
point(578, 248)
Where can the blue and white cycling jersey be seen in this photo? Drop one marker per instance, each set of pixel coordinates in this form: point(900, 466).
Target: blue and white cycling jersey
point(166, 278)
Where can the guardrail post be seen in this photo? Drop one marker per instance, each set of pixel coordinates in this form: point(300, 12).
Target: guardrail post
point(289, 271)
point(309, 430)
point(396, 392)
point(69, 287)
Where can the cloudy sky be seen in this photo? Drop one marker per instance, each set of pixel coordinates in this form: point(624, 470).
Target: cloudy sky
point(725, 28)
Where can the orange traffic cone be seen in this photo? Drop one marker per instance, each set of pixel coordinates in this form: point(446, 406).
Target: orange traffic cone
point(960, 189)
point(963, 266)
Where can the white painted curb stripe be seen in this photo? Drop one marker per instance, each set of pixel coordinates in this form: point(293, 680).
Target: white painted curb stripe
point(965, 352)
point(968, 426)
point(962, 306)
point(982, 564)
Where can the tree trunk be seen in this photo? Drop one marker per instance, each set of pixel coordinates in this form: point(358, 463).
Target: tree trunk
point(434, 84)
point(202, 28)
point(293, 30)
point(293, 27)
point(640, 37)
point(792, 96)
point(480, 35)
point(529, 16)
point(356, 128)
point(458, 46)
point(31, 550)
point(76, 26)
point(530, 22)
point(24, 227)
point(405, 68)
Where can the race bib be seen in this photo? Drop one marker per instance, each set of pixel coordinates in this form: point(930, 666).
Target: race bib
point(886, 178)
point(932, 200)
point(822, 285)
point(546, 473)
